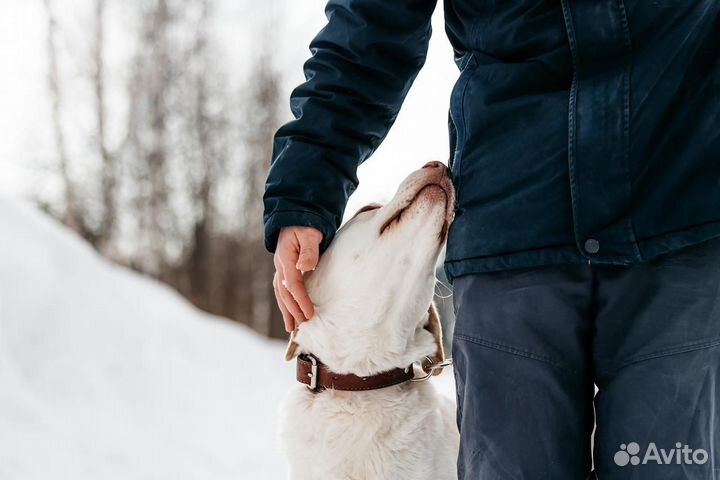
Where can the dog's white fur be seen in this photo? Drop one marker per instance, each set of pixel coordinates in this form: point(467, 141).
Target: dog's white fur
point(372, 292)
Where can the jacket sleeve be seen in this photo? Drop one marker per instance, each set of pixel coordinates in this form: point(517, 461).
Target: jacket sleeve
point(363, 63)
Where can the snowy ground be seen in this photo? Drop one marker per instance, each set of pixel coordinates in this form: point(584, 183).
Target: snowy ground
point(107, 375)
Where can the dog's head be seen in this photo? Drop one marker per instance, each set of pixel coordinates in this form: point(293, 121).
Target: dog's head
point(373, 287)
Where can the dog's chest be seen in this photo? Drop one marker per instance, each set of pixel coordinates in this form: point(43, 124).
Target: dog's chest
point(379, 435)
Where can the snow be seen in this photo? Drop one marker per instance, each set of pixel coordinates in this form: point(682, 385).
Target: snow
point(105, 374)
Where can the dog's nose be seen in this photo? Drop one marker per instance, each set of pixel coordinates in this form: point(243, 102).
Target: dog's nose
point(434, 164)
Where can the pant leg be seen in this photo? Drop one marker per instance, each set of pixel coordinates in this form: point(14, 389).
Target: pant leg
point(521, 348)
point(657, 356)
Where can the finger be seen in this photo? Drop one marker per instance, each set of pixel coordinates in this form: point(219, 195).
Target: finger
point(309, 253)
point(288, 320)
point(290, 304)
point(278, 265)
point(286, 296)
point(294, 283)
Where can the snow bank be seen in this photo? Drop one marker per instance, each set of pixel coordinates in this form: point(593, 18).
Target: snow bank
point(107, 375)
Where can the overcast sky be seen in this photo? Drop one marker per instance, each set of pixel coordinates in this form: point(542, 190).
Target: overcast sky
point(419, 135)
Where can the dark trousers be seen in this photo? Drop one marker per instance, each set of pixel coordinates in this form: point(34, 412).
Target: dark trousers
point(531, 345)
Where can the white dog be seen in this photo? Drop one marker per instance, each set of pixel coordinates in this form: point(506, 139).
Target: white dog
point(372, 292)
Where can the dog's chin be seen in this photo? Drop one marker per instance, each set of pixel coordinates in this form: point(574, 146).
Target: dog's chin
point(431, 203)
point(440, 200)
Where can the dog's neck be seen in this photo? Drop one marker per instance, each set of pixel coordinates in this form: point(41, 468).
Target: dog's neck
point(365, 352)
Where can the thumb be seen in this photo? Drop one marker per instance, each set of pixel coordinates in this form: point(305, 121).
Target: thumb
point(309, 253)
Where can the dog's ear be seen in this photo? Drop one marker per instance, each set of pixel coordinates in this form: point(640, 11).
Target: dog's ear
point(434, 327)
point(291, 351)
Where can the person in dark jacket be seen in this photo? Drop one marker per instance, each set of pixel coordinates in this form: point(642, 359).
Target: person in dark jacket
point(585, 150)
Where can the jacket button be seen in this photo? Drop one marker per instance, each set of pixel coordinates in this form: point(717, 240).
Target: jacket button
point(592, 246)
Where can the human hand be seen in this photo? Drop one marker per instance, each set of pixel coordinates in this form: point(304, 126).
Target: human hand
point(298, 251)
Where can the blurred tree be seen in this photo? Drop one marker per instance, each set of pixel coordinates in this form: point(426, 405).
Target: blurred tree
point(180, 197)
point(152, 82)
point(109, 173)
point(71, 215)
point(262, 116)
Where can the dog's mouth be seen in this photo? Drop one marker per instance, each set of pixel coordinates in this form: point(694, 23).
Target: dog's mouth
point(439, 190)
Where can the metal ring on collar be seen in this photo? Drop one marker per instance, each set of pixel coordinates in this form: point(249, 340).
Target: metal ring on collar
point(430, 368)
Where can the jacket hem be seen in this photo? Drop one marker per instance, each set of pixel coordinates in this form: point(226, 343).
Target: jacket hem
point(650, 248)
point(509, 261)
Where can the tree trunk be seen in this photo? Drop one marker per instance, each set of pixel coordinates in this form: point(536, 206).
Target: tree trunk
point(109, 173)
point(71, 215)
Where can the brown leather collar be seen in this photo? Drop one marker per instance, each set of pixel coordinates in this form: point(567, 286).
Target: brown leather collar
point(317, 376)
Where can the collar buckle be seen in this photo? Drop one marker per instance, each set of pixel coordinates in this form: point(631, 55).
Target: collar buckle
point(313, 374)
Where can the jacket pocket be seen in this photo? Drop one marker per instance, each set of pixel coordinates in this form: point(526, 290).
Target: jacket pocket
point(458, 121)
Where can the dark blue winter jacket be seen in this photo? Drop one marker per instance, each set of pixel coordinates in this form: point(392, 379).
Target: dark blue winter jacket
point(581, 130)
